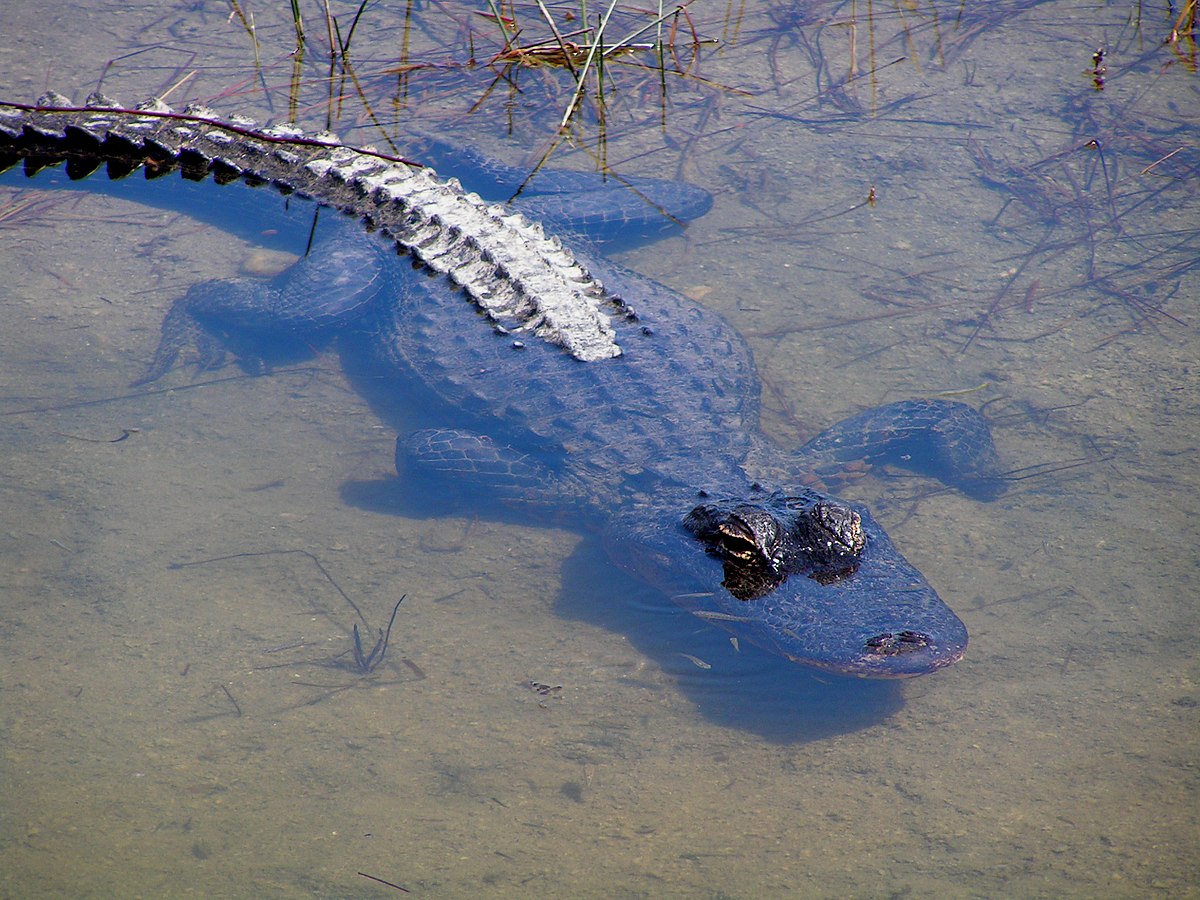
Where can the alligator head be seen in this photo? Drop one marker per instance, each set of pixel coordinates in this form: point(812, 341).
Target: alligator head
point(808, 576)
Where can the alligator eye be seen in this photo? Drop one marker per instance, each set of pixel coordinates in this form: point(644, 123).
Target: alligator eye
point(735, 541)
point(749, 533)
point(751, 542)
point(840, 526)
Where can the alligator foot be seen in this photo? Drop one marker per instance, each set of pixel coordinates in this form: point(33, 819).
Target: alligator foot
point(945, 439)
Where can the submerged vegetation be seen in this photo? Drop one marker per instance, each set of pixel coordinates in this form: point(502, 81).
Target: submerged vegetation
point(1083, 204)
point(1093, 188)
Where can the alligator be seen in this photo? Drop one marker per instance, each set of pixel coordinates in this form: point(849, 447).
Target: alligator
point(569, 384)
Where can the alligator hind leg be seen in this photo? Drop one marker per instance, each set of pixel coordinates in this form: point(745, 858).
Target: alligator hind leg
point(284, 317)
point(946, 439)
point(190, 323)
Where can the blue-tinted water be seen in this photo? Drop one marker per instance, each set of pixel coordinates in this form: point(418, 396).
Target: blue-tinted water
point(188, 730)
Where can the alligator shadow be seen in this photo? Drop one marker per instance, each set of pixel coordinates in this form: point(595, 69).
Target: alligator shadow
point(732, 684)
point(738, 687)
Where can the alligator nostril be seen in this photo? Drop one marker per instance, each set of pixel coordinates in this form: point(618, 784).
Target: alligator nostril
point(897, 644)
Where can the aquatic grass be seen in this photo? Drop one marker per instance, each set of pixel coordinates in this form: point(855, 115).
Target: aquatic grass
point(581, 42)
point(590, 60)
point(1185, 23)
point(845, 44)
point(339, 46)
point(1182, 37)
point(298, 24)
point(247, 20)
point(584, 52)
point(584, 61)
point(36, 209)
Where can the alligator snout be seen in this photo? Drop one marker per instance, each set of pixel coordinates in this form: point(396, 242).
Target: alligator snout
point(896, 644)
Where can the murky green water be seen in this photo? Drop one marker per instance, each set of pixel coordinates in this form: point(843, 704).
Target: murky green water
point(173, 731)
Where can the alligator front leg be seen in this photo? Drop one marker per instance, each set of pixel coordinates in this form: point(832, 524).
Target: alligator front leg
point(945, 439)
point(463, 460)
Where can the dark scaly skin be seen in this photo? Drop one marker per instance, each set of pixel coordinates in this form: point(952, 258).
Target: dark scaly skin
point(657, 448)
point(945, 439)
point(669, 428)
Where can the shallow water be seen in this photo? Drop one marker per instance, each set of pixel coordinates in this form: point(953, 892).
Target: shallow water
point(186, 730)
